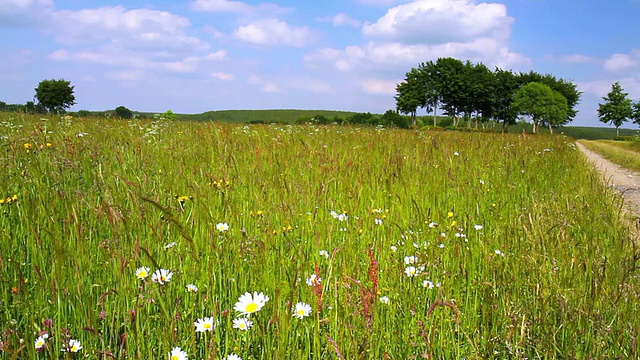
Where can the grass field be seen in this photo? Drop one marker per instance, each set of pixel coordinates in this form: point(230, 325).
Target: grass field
point(123, 238)
point(623, 153)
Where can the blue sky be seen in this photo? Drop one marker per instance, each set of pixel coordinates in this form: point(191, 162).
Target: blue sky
point(200, 55)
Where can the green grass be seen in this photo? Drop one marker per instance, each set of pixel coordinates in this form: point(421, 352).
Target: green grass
point(96, 200)
point(624, 153)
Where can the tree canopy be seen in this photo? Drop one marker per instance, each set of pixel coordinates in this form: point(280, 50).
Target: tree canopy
point(123, 113)
point(617, 107)
point(474, 91)
point(55, 95)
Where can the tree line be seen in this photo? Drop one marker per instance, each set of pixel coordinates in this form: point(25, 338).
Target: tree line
point(618, 108)
point(474, 92)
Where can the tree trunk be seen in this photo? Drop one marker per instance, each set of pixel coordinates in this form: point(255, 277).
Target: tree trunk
point(617, 131)
point(550, 129)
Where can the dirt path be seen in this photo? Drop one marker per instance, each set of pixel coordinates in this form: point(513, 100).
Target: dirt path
point(624, 180)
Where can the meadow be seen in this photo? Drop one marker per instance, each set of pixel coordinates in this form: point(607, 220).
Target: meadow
point(140, 239)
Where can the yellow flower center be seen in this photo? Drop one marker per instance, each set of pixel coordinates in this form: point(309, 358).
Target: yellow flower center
point(175, 357)
point(253, 307)
point(301, 312)
point(40, 343)
point(163, 278)
point(143, 273)
point(74, 348)
point(207, 326)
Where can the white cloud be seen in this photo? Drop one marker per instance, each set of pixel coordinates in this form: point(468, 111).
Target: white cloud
point(133, 29)
point(223, 76)
point(601, 88)
point(238, 7)
point(273, 32)
point(579, 59)
point(23, 12)
point(341, 20)
point(379, 86)
point(621, 62)
point(442, 21)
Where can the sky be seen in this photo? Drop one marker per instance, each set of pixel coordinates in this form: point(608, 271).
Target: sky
point(201, 55)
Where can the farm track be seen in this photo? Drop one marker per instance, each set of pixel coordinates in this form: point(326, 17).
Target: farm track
point(624, 180)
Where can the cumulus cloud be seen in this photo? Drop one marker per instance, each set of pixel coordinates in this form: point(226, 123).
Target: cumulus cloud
point(341, 20)
point(138, 28)
point(237, 7)
point(273, 32)
point(601, 88)
point(379, 86)
point(442, 21)
point(23, 12)
point(578, 59)
point(622, 62)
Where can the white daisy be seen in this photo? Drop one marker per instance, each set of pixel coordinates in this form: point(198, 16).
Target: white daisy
point(384, 299)
point(161, 276)
point(205, 324)
point(41, 341)
point(410, 260)
point(177, 354)
point(142, 272)
point(192, 288)
point(313, 280)
point(222, 227)
point(242, 324)
point(301, 310)
point(411, 271)
point(324, 253)
point(73, 346)
point(248, 304)
point(232, 357)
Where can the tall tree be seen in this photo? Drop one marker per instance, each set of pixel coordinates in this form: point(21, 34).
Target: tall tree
point(636, 113)
point(506, 85)
point(55, 95)
point(123, 112)
point(449, 76)
point(557, 111)
point(534, 99)
point(617, 107)
point(410, 94)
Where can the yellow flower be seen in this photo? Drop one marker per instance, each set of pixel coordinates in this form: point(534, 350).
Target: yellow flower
point(450, 214)
point(28, 146)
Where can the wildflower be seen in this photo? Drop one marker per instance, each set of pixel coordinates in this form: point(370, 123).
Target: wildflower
point(433, 224)
point(450, 214)
point(378, 221)
point(324, 253)
point(410, 259)
point(301, 310)
point(342, 217)
point(243, 324)
point(478, 227)
point(232, 356)
point(205, 324)
point(170, 245)
point(456, 153)
point(248, 304)
point(411, 271)
point(394, 248)
point(384, 299)
point(161, 276)
point(427, 284)
point(73, 346)
point(27, 146)
point(142, 272)
point(222, 227)
point(41, 341)
point(192, 288)
point(182, 199)
point(498, 252)
point(177, 354)
point(313, 280)
point(441, 246)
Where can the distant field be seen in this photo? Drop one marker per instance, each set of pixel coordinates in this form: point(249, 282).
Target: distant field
point(136, 236)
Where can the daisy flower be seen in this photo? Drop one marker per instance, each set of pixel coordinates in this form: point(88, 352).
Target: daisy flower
point(170, 245)
point(242, 324)
point(411, 271)
point(301, 310)
point(41, 341)
point(427, 284)
point(142, 272)
point(410, 260)
point(378, 221)
point(384, 299)
point(324, 253)
point(161, 276)
point(248, 304)
point(177, 354)
point(313, 280)
point(232, 356)
point(73, 346)
point(478, 227)
point(192, 288)
point(222, 227)
point(205, 324)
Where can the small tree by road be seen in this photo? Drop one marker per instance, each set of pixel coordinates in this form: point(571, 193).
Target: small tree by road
point(617, 108)
point(55, 95)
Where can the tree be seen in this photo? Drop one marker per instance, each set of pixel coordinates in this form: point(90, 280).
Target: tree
point(55, 95)
point(557, 112)
point(506, 86)
point(409, 94)
point(536, 100)
point(636, 113)
point(617, 108)
point(394, 119)
point(123, 113)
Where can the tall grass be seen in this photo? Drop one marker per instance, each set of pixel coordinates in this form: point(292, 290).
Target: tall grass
point(517, 249)
point(623, 153)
